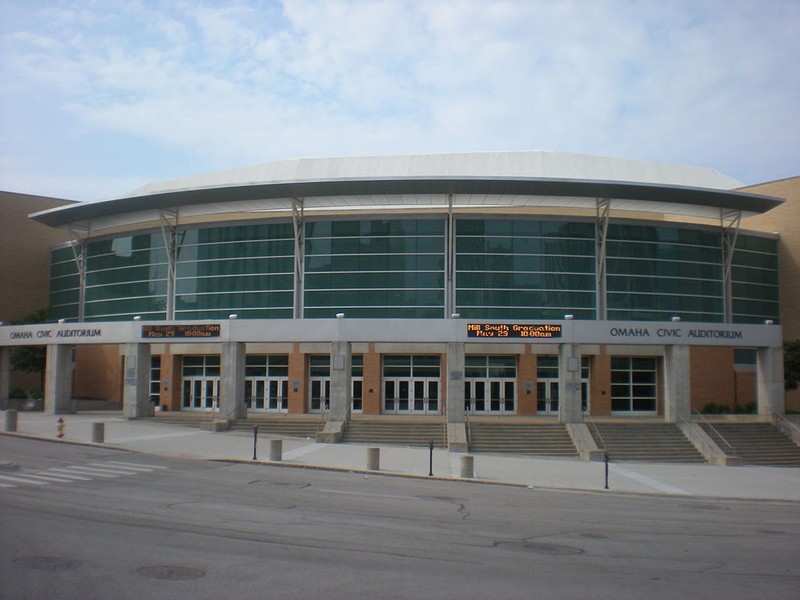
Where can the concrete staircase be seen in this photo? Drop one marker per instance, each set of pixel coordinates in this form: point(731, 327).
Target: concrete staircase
point(275, 424)
point(184, 418)
point(521, 438)
point(645, 442)
point(304, 426)
point(758, 443)
point(395, 432)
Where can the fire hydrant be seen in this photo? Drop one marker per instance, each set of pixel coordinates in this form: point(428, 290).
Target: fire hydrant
point(60, 426)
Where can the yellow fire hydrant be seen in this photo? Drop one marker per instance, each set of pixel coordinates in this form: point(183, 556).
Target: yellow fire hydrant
point(60, 426)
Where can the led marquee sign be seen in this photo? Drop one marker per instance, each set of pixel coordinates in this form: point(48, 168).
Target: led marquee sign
point(203, 330)
point(514, 330)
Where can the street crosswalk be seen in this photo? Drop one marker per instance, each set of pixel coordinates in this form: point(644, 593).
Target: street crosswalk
point(74, 473)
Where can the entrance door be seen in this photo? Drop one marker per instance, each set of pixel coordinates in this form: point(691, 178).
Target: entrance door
point(406, 396)
point(264, 394)
point(489, 396)
point(200, 393)
point(547, 397)
point(320, 400)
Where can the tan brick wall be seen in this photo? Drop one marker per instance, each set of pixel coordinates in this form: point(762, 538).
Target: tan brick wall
point(712, 377)
point(526, 374)
point(170, 393)
point(25, 263)
point(785, 220)
point(298, 370)
point(372, 382)
point(600, 384)
point(98, 373)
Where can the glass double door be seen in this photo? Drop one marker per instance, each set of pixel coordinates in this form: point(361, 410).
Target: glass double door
point(320, 400)
point(200, 393)
point(547, 396)
point(265, 394)
point(490, 396)
point(411, 396)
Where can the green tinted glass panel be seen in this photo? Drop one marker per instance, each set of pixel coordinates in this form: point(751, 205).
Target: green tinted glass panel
point(374, 268)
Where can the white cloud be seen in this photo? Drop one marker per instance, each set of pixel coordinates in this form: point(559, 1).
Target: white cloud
point(220, 84)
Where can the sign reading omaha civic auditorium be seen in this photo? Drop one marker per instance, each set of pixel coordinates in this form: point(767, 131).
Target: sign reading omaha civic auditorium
point(514, 330)
point(204, 330)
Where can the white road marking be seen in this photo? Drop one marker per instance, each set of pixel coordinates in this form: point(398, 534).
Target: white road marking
point(74, 473)
point(84, 471)
point(130, 464)
point(22, 480)
point(74, 477)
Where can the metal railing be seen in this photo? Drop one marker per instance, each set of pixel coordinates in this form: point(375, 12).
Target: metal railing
point(598, 437)
point(782, 422)
point(729, 449)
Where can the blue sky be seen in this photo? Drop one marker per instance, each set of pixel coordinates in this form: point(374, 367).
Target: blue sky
point(101, 96)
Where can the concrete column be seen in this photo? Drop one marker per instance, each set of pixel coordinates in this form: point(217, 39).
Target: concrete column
point(231, 393)
point(770, 393)
point(5, 375)
point(341, 381)
point(136, 381)
point(455, 382)
point(456, 415)
point(677, 384)
point(569, 383)
point(58, 380)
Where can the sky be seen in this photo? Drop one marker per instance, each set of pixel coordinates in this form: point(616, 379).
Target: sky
point(99, 97)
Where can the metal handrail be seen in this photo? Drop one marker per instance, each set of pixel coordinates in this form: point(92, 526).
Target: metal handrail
point(467, 426)
point(709, 444)
point(776, 416)
point(598, 436)
point(713, 430)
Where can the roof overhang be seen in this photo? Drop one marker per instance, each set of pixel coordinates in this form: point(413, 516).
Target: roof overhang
point(424, 192)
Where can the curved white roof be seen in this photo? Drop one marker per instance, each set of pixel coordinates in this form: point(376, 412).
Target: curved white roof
point(477, 180)
point(537, 164)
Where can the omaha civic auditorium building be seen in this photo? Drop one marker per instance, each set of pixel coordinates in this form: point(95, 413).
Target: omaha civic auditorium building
point(447, 289)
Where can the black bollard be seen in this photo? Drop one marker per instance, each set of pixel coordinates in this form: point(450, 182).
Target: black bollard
point(430, 469)
point(606, 456)
point(255, 440)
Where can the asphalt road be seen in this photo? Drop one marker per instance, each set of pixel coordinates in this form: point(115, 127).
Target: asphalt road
point(83, 522)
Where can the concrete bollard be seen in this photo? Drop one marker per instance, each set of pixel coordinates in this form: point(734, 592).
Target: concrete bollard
point(276, 450)
point(98, 433)
point(11, 420)
point(467, 466)
point(373, 459)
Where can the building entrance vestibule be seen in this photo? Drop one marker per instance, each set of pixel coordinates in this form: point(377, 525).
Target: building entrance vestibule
point(547, 389)
point(411, 385)
point(319, 379)
point(200, 380)
point(266, 384)
point(490, 385)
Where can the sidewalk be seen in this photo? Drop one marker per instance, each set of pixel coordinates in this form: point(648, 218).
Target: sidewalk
point(767, 483)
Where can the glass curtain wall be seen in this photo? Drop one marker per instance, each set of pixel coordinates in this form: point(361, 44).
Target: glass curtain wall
point(375, 269)
point(65, 284)
point(656, 273)
point(126, 276)
point(516, 269)
point(754, 280)
point(244, 269)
